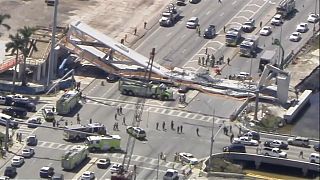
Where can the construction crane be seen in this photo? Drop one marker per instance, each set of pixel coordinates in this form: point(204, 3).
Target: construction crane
point(135, 122)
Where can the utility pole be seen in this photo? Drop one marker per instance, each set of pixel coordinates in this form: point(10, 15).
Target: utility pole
point(7, 135)
point(315, 12)
point(51, 64)
point(212, 140)
point(158, 166)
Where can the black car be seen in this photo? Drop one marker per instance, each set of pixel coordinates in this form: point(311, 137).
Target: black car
point(29, 106)
point(46, 172)
point(111, 78)
point(181, 2)
point(194, 1)
point(235, 148)
point(210, 32)
point(10, 171)
point(15, 112)
point(316, 147)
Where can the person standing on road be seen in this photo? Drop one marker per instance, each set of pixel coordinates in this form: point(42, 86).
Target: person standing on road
point(90, 121)
point(181, 127)
point(145, 25)
point(301, 154)
point(231, 137)
point(78, 118)
point(178, 129)
point(120, 109)
point(228, 61)
point(124, 120)
point(197, 131)
point(116, 117)
point(172, 125)
point(163, 126)
point(157, 125)
point(135, 31)
point(224, 29)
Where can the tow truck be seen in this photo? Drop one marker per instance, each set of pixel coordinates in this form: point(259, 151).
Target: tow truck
point(170, 16)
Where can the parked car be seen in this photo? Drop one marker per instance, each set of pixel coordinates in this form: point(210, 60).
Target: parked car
point(295, 37)
point(313, 18)
point(136, 132)
point(17, 97)
point(194, 1)
point(171, 174)
point(17, 161)
point(103, 163)
point(34, 122)
point(276, 144)
point(266, 31)
point(4, 178)
point(4, 118)
point(88, 175)
point(302, 27)
point(193, 22)
point(29, 106)
point(210, 32)
point(181, 2)
point(276, 20)
point(57, 177)
point(274, 152)
point(15, 112)
point(245, 141)
point(111, 78)
point(46, 172)
point(314, 158)
point(316, 147)
point(5, 101)
point(48, 114)
point(116, 168)
point(235, 148)
point(253, 135)
point(32, 140)
point(10, 171)
point(27, 152)
point(188, 158)
point(298, 141)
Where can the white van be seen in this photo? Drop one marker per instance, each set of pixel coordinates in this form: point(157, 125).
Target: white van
point(5, 117)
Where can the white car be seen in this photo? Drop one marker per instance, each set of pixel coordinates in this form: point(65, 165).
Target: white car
point(18, 97)
point(27, 152)
point(136, 132)
point(17, 161)
point(314, 158)
point(302, 27)
point(171, 174)
point(245, 141)
point(193, 22)
point(188, 158)
point(276, 20)
point(265, 31)
point(276, 144)
point(88, 175)
point(295, 37)
point(116, 168)
point(313, 18)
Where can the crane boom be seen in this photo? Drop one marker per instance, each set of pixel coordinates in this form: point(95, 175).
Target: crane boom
point(137, 115)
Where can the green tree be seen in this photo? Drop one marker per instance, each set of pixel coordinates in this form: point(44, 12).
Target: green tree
point(28, 45)
point(15, 45)
point(2, 18)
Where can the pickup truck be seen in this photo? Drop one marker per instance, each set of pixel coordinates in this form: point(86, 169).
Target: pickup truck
point(274, 152)
point(248, 26)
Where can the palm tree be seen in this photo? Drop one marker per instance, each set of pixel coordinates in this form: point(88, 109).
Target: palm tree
point(2, 18)
point(15, 45)
point(26, 33)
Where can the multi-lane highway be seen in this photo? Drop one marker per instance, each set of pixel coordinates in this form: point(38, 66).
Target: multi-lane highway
point(181, 47)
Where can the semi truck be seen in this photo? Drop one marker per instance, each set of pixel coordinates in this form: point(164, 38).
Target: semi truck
point(268, 57)
point(138, 88)
point(249, 46)
point(103, 143)
point(233, 36)
point(286, 7)
point(73, 157)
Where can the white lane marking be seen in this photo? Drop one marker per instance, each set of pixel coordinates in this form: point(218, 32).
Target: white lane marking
point(255, 5)
point(194, 10)
point(250, 11)
point(222, 14)
point(167, 35)
point(243, 17)
point(234, 2)
point(208, 12)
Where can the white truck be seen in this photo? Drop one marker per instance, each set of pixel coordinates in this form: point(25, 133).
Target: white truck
point(249, 46)
point(249, 25)
point(286, 7)
point(233, 35)
point(268, 57)
point(274, 152)
point(169, 18)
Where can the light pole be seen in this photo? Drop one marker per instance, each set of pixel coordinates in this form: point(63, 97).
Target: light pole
point(52, 63)
point(212, 140)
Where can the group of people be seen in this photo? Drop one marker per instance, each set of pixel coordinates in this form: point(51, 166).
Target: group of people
point(210, 60)
point(117, 114)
